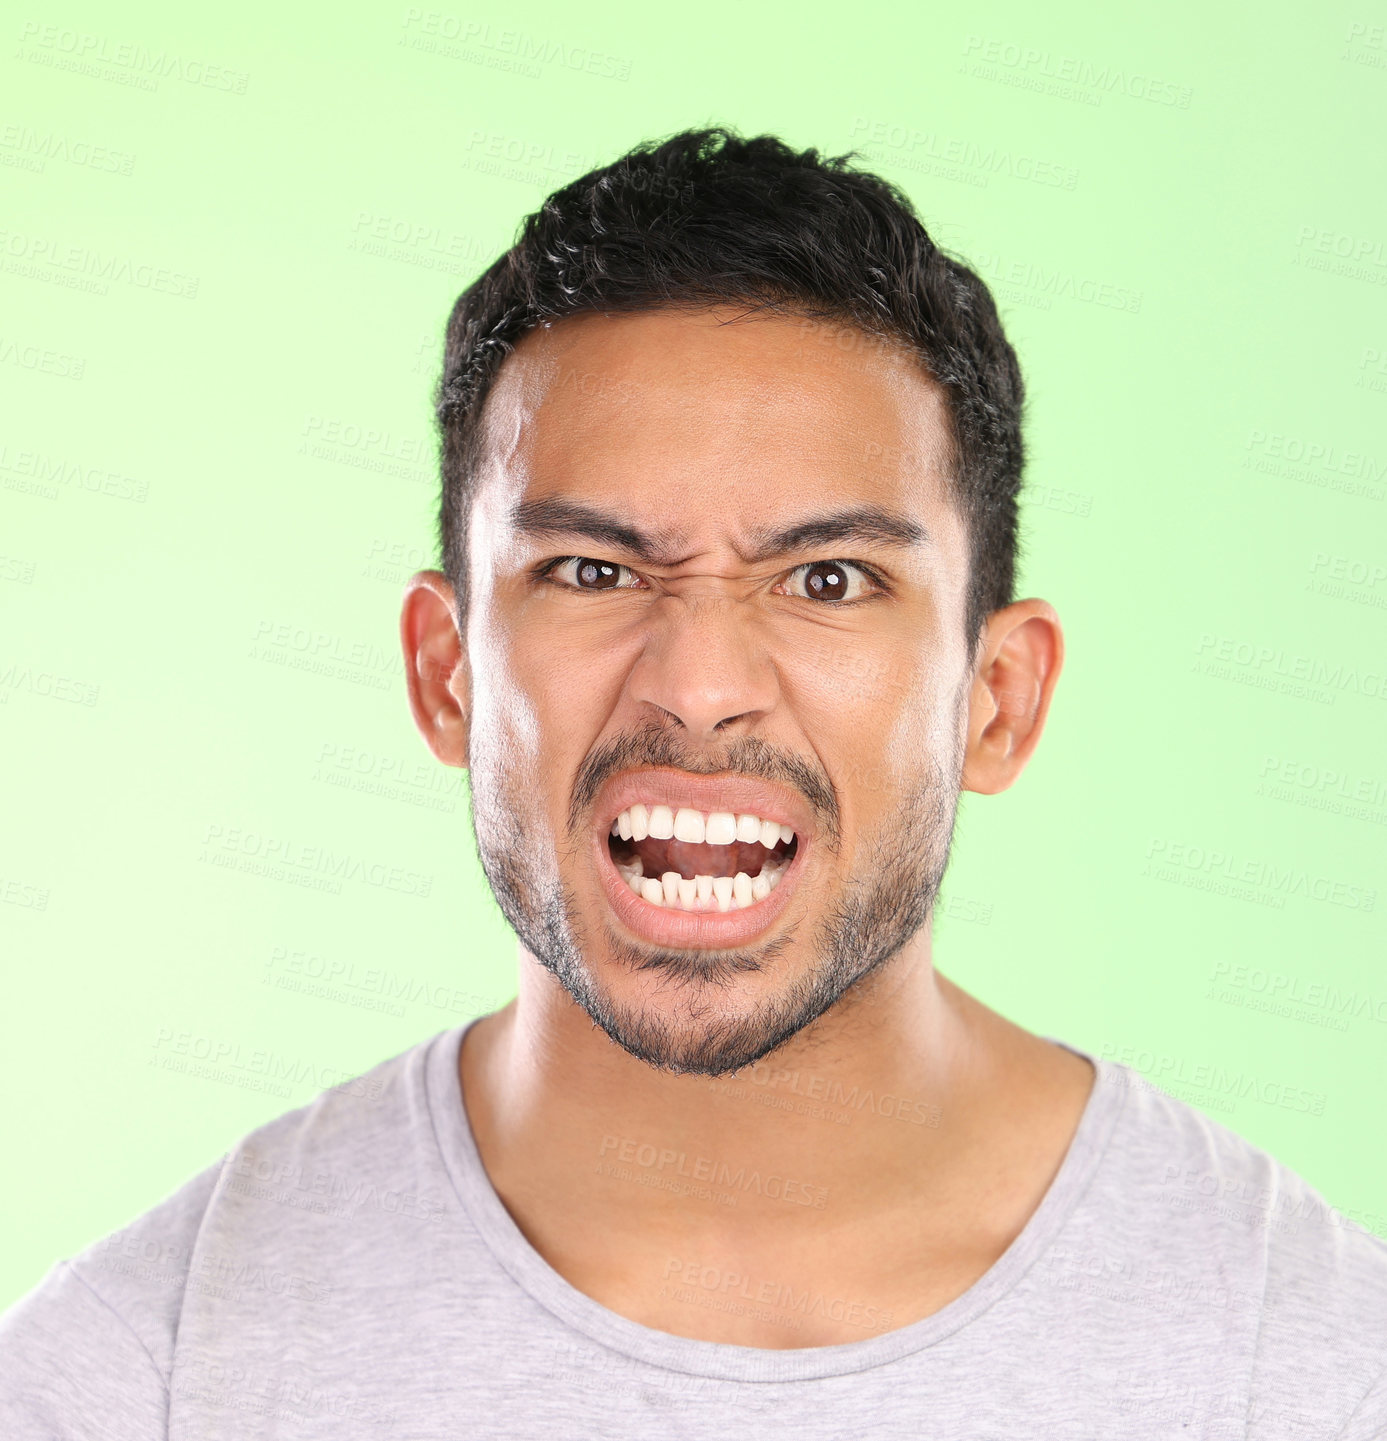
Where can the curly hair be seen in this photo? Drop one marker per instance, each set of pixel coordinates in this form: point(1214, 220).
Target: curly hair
point(707, 217)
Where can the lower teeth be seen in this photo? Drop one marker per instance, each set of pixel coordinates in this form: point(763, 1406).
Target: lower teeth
point(704, 893)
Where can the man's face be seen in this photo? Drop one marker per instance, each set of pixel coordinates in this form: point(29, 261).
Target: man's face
point(674, 661)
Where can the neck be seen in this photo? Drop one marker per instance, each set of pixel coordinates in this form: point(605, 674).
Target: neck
point(894, 1090)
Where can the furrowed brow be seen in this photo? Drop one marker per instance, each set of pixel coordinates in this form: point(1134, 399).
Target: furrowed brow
point(858, 525)
point(867, 524)
point(553, 516)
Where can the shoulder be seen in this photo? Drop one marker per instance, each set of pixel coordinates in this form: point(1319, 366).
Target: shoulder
point(88, 1351)
point(117, 1305)
point(1188, 1164)
point(1310, 1277)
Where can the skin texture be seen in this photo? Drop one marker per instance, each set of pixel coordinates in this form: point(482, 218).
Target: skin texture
point(703, 428)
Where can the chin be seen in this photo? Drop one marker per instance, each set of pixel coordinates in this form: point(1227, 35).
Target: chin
point(696, 1012)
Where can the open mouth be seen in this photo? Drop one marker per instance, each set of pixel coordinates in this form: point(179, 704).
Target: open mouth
point(690, 860)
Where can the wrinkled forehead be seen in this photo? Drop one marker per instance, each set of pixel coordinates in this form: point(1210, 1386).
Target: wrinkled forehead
point(699, 418)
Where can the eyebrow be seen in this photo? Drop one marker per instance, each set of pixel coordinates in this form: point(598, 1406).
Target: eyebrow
point(869, 524)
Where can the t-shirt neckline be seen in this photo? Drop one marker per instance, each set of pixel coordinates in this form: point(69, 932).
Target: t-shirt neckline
point(515, 1254)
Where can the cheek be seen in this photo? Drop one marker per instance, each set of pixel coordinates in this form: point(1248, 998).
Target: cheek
point(842, 682)
point(870, 699)
point(893, 732)
point(507, 713)
point(542, 702)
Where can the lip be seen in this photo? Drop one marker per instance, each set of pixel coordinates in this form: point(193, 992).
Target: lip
point(690, 929)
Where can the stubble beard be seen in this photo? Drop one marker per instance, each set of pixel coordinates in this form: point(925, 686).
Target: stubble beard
point(692, 1024)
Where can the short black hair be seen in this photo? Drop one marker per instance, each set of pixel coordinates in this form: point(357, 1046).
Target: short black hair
point(707, 217)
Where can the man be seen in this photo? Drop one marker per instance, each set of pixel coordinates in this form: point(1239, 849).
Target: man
point(726, 624)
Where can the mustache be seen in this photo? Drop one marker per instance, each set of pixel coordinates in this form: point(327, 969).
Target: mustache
point(659, 745)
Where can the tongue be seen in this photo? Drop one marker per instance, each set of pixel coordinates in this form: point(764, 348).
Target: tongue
point(692, 858)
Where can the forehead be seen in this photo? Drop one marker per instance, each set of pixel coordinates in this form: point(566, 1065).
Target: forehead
point(714, 423)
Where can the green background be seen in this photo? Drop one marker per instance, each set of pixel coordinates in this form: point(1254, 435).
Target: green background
point(1184, 218)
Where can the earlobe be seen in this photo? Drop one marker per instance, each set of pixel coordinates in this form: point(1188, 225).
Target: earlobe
point(1018, 666)
point(435, 672)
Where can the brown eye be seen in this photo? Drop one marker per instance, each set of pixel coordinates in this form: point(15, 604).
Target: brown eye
point(589, 574)
point(829, 580)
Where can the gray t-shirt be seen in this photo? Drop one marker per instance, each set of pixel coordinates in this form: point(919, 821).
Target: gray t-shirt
point(347, 1271)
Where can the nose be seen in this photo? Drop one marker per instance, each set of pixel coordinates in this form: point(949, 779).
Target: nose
point(706, 664)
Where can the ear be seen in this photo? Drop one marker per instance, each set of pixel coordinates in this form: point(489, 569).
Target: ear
point(1018, 665)
point(435, 670)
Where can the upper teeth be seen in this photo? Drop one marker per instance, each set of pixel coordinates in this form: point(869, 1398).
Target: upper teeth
point(718, 828)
